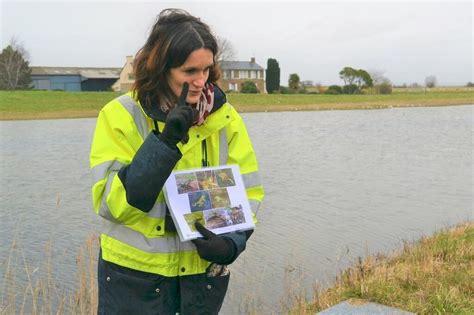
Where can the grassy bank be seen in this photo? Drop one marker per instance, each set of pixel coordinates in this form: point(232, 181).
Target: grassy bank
point(59, 104)
point(431, 276)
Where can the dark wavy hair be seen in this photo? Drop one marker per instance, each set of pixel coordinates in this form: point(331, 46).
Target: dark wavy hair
point(175, 35)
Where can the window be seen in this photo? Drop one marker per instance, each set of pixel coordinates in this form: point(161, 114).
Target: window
point(233, 87)
point(236, 74)
point(227, 74)
point(243, 74)
point(253, 74)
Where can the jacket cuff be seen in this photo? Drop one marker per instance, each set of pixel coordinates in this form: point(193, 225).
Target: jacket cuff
point(145, 176)
point(239, 239)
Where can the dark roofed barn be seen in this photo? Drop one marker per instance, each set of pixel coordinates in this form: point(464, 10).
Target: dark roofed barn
point(74, 78)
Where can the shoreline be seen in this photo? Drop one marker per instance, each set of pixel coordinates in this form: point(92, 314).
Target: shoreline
point(428, 276)
point(92, 113)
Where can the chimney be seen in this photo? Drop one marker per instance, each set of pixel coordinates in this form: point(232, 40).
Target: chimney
point(252, 60)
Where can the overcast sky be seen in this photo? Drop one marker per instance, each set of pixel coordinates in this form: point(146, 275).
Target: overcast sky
point(407, 41)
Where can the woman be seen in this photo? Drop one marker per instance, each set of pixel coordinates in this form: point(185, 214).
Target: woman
point(175, 118)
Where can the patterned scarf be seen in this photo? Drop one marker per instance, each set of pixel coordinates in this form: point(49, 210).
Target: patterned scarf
point(205, 103)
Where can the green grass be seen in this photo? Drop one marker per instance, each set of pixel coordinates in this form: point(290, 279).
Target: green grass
point(39, 101)
point(309, 99)
point(60, 104)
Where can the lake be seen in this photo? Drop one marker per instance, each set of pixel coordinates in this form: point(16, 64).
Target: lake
point(339, 184)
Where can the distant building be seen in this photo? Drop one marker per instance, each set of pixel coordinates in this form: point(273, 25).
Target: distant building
point(235, 73)
point(127, 78)
point(307, 83)
point(73, 78)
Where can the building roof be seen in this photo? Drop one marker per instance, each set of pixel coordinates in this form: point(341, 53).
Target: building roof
point(88, 73)
point(240, 65)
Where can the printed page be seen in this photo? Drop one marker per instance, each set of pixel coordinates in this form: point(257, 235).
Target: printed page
point(214, 196)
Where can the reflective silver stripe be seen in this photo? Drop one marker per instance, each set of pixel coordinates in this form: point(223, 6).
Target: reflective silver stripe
point(158, 210)
point(104, 208)
point(162, 244)
point(132, 107)
point(251, 179)
point(100, 171)
point(223, 147)
point(254, 205)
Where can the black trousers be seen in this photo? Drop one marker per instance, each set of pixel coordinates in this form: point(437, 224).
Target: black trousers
point(126, 291)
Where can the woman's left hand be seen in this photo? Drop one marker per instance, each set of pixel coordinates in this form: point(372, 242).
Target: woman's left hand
point(214, 248)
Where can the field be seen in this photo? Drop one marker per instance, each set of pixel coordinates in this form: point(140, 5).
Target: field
point(59, 104)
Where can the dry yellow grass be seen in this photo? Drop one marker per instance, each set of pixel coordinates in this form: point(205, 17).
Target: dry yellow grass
point(43, 296)
point(349, 105)
point(432, 276)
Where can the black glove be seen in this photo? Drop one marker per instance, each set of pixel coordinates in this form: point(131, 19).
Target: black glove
point(178, 121)
point(214, 248)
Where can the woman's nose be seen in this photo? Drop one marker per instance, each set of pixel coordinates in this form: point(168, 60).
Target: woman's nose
point(200, 80)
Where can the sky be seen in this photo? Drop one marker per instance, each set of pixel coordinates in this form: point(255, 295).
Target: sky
point(405, 40)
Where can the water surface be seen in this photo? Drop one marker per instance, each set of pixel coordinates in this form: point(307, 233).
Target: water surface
point(339, 184)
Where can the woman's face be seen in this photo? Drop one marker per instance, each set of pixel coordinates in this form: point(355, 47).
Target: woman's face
point(195, 71)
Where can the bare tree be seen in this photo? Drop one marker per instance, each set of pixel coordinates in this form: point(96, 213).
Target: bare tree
point(381, 83)
point(226, 50)
point(377, 76)
point(15, 72)
point(431, 81)
point(319, 87)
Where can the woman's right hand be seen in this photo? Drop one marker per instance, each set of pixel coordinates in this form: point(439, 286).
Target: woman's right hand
point(178, 121)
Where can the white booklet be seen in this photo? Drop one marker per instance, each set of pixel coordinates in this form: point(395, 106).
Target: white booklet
point(214, 196)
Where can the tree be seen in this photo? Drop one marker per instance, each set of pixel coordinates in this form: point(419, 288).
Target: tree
point(334, 89)
point(348, 75)
point(363, 79)
point(249, 87)
point(319, 87)
point(226, 50)
point(377, 76)
point(272, 75)
point(294, 82)
point(360, 78)
point(470, 84)
point(381, 83)
point(350, 89)
point(15, 73)
point(430, 81)
point(384, 87)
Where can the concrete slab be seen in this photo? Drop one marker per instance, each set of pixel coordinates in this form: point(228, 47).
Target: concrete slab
point(362, 307)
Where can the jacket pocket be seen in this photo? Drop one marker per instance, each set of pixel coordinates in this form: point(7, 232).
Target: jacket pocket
point(217, 281)
point(203, 294)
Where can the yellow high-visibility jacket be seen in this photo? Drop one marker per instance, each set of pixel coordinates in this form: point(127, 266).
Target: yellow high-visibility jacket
point(134, 236)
